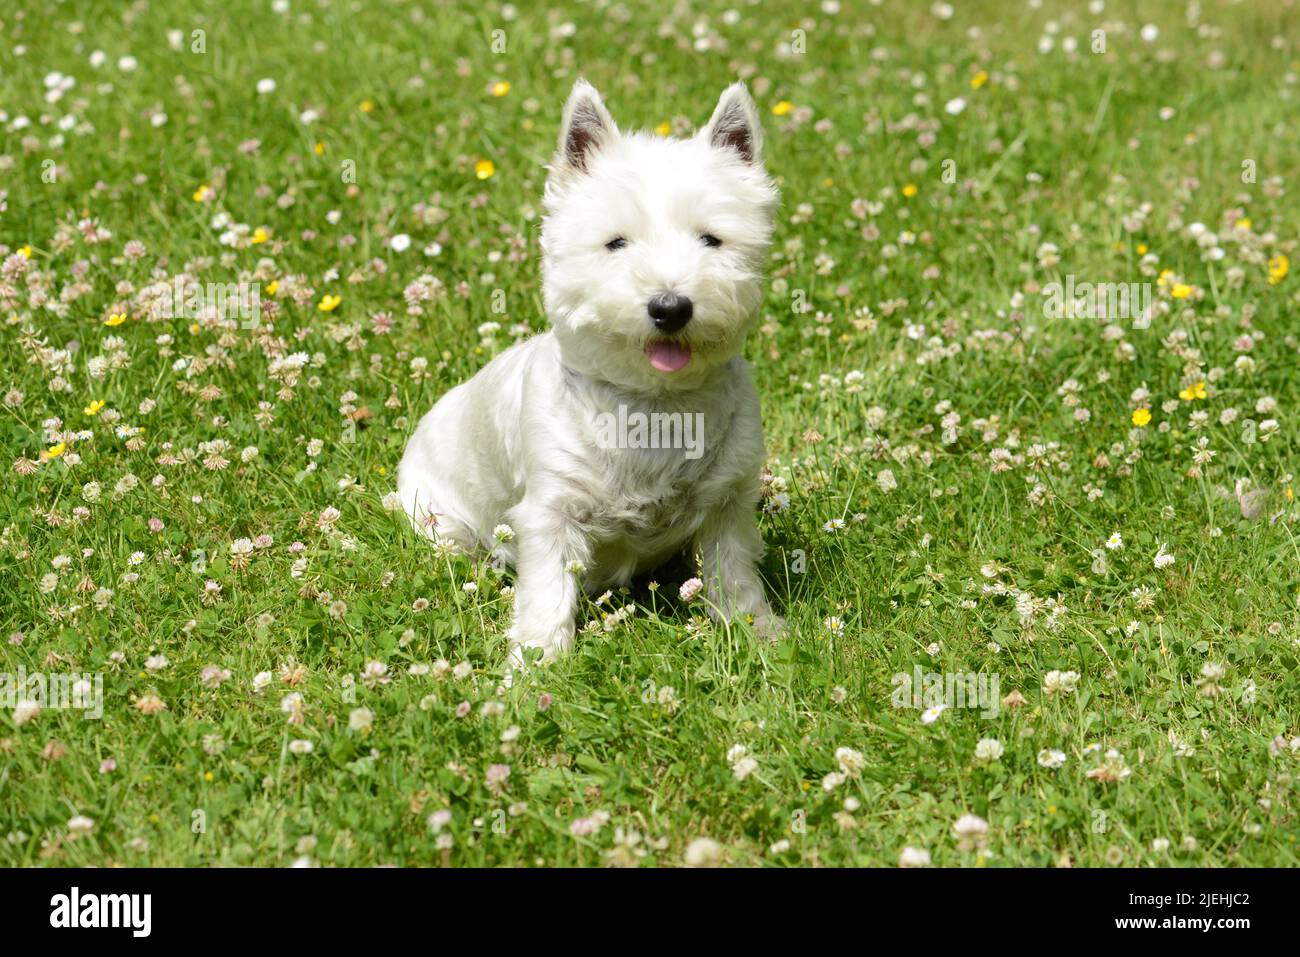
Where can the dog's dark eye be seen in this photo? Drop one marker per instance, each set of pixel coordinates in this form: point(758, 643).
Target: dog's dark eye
point(618, 242)
point(711, 240)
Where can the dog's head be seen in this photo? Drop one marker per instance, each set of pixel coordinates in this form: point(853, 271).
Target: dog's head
point(653, 248)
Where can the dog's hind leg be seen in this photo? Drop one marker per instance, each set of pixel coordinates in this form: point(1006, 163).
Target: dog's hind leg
point(432, 508)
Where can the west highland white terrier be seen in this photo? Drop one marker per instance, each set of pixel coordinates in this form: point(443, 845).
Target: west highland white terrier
point(630, 430)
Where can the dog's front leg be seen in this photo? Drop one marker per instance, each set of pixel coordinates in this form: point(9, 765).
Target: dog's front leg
point(552, 550)
point(730, 546)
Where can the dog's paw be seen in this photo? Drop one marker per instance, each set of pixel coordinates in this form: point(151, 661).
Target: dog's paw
point(553, 642)
point(769, 625)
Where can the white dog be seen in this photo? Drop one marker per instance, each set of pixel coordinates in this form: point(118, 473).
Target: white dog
point(653, 251)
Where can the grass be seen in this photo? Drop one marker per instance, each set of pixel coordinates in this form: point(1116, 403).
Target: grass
point(903, 332)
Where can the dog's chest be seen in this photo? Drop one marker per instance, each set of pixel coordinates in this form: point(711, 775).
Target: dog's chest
point(654, 493)
point(651, 473)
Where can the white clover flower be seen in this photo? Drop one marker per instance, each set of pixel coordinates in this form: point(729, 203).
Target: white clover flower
point(988, 749)
point(914, 857)
point(25, 711)
point(971, 831)
point(1060, 682)
point(851, 762)
point(1051, 758)
point(704, 852)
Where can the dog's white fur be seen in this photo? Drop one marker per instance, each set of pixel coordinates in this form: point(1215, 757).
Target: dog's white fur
point(517, 444)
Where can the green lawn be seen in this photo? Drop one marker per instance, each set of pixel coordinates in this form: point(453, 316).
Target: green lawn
point(965, 483)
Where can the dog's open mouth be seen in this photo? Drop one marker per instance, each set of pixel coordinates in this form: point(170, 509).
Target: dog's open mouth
point(667, 355)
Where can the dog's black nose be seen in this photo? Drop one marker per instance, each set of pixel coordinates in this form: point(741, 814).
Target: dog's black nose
point(670, 311)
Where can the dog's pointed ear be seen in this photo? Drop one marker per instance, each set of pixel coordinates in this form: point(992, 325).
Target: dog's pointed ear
point(734, 125)
point(587, 125)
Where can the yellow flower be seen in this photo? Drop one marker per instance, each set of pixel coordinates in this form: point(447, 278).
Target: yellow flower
point(273, 287)
point(828, 182)
point(367, 106)
point(1142, 249)
point(909, 190)
point(484, 169)
point(1278, 267)
point(208, 776)
point(979, 79)
point(782, 108)
point(25, 252)
point(194, 328)
point(260, 236)
point(319, 148)
point(1141, 417)
point(1165, 277)
point(500, 88)
point(54, 451)
point(94, 407)
point(1181, 290)
point(329, 303)
point(116, 319)
point(1193, 392)
point(203, 193)
point(1241, 224)
point(664, 128)
point(381, 470)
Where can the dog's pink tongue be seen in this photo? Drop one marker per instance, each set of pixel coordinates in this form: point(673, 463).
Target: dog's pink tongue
point(668, 356)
